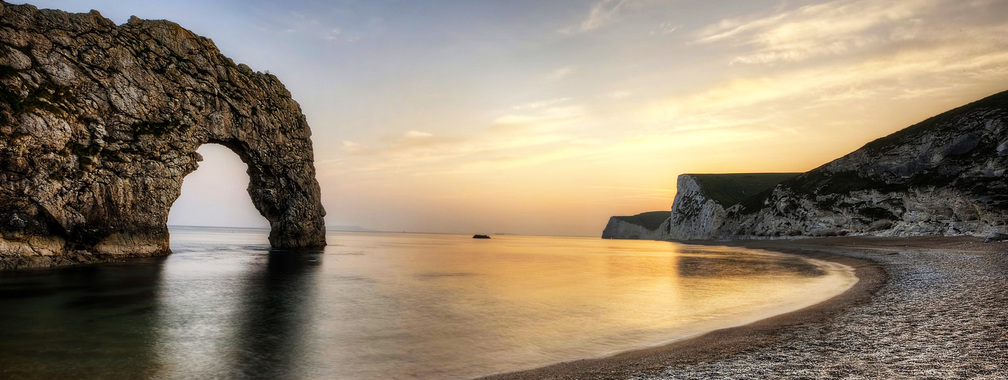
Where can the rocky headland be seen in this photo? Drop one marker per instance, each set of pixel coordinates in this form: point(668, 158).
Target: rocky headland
point(652, 225)
point(944, 176)
point(99, 124)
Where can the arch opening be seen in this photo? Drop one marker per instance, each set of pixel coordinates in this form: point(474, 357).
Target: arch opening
point(216, 193)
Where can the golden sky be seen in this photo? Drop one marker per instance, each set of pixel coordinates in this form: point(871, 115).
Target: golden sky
point(548, 117)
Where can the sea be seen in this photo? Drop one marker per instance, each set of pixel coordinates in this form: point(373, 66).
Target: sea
point(386, 305)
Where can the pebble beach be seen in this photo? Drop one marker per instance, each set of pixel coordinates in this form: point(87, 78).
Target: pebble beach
point(931, 307)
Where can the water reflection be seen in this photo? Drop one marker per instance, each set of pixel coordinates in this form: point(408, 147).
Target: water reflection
point(382, 305)
point(231, 309)
point(717, 262)
point(92, 322)
point(275, 316)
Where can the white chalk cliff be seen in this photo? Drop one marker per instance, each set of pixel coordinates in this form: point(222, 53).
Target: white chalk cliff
point(942, 176)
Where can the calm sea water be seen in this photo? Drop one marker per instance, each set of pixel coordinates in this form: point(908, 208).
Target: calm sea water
point(386, 305)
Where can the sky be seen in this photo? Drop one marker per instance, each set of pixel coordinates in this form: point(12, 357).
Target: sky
point(547, 118)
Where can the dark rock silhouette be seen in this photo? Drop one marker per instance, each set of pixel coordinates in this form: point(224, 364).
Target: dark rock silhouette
point(100, 123)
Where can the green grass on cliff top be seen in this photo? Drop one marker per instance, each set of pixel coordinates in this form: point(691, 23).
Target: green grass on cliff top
point(650, 220)
point(730, 189)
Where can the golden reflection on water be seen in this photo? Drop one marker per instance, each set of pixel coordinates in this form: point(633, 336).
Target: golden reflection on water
point(466, 307)
point(387, 305)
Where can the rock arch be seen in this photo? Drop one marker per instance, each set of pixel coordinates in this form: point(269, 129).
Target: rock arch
point(99, 124)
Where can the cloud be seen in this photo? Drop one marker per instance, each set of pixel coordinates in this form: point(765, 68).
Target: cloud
point(417, 135)
point(901, 75)
point(559, 73)
point(538, 132)
point(350, 146)
point(334, 34)
point(540, 104)
point(665, 28)
point(827, 29)
point(297, 23)
point(600, 14)
point(543, 115)
point(619, 94)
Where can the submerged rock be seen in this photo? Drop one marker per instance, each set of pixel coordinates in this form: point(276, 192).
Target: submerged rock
point(100, 123)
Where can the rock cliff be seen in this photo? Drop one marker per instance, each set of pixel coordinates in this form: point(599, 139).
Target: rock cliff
point(653, 225)
point(99, 124)
point(943, 176)
point(701, 201)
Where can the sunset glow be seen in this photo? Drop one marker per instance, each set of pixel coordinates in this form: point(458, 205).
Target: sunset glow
point(548, 117)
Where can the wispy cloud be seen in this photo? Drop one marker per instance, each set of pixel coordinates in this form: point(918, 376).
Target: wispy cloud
point(529, 133)
point(901, 75)
point(297, 23)
point(543, 115)
point(559, 73)
point(334, 34)
point(831, 28)
point(350, 146)
point(540, 104)
point(665, 28)
point(619, 94)
point(600, 13)
point(417, 135)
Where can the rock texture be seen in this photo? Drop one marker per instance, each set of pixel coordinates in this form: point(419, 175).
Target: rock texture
point(701, 201)
point(943, 176)
point(652, 225)
point(99, 124)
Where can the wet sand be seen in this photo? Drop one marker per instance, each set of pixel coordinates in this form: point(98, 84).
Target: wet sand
point(923, 307)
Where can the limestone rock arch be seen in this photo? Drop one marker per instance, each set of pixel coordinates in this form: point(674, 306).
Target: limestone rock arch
point(99, 124)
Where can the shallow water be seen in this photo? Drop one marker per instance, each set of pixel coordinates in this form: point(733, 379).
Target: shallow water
point(386, 305)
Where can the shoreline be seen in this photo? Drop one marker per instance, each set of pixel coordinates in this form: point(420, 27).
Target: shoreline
point(723, 343)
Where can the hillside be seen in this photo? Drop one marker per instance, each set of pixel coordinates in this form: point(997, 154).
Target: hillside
point(942, 176)
point(650, 220)
point(730, 189)
point(647, 225)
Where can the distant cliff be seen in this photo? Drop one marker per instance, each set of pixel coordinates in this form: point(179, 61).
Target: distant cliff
point(99, 123)
point(701, 201)
point(943, 176)
point(649, 226)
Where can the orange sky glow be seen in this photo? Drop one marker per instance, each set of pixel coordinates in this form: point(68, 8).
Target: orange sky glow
point(546, 118)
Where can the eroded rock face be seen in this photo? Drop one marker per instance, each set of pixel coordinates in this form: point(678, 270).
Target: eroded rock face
point(694, 216)
point(703, 201)
point(943, 176)
point(100, 123)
